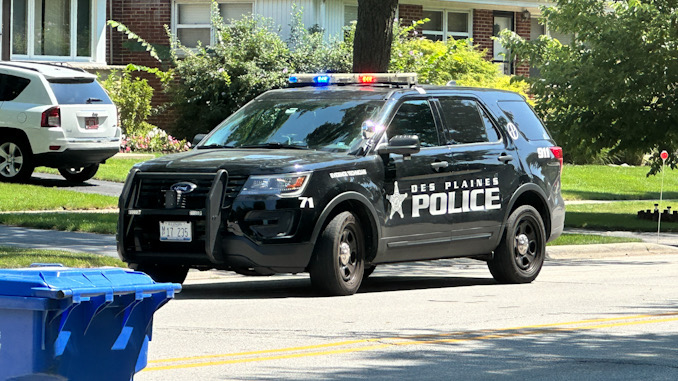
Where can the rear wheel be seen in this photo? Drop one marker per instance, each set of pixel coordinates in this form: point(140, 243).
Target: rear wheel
point(15, 160)
point(163, 273)
point(521, 251)
point(79, 174)
point(337, 267)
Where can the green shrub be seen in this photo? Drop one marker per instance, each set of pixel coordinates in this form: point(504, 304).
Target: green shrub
point(132, 95)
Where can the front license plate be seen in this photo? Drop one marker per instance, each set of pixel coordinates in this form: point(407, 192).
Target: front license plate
point(176, 231)
point(91, 122)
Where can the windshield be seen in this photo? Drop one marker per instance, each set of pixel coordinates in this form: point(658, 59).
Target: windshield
point(321, 124)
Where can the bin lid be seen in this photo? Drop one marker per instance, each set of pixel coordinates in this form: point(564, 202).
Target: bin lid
point(62, 282)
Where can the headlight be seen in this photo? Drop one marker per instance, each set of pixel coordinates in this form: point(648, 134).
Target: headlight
point(288, 185)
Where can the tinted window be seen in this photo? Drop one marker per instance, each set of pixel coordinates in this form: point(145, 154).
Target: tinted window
point(70, 93)
point(466, 122)
point(11, 86)
point(323, 124)
point(522, 115)
point(415, 118)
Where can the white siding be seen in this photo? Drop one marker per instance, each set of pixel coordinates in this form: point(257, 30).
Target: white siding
point(334, 17)
point(281, 12)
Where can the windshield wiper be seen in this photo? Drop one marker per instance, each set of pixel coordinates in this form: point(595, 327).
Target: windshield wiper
point(274, 145)
point(90, 100)
point(214, 145)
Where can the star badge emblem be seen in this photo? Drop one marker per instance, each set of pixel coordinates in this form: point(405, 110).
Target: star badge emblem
point(396, 200)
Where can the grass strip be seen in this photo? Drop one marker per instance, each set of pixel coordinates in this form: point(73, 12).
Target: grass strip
point(115, 169)
point(603, 182)
point(12, 257)
point(102, 223)
point(621, 215)
point(16, 197)
point(589, 239)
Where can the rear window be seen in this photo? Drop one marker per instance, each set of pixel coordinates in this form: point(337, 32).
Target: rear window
point(11, 86)
point(522, 115)
point(70, 93)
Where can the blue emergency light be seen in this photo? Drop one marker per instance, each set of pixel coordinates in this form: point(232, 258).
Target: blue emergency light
point(353, 78)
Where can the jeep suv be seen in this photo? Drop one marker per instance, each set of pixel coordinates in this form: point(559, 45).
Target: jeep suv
point(352, 171)
point(55, 116)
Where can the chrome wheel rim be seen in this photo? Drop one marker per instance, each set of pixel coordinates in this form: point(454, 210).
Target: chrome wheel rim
point(526, 247)
point(11, 159)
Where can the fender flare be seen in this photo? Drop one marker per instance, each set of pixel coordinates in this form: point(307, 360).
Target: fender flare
point(527, 187)
point(348, 196)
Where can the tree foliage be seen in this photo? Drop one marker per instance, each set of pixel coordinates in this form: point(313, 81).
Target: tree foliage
point(613, 89)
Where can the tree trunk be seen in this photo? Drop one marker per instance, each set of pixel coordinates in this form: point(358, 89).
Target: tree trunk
point(373, 35)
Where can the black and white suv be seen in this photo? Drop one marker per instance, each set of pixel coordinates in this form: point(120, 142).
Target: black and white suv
point(54, 116)
point(344, 174)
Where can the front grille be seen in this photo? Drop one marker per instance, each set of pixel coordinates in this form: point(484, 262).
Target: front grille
point(153, 187)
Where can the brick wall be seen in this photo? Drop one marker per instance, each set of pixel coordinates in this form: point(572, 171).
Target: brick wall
point(483, 21)
point(407, 13)
point(146, 18)
point(523, 28)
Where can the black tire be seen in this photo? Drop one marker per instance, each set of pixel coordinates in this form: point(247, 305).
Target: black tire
point(521, 251)
point(337, 265)
point(16, 160)
point(368, 271)
point(79, 174)
point(163, 273)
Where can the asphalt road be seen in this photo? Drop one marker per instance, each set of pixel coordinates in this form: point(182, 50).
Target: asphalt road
point(606, 318)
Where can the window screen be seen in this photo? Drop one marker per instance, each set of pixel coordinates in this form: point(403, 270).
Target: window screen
point(415, 118)
point(11, 86)
point(466, 122)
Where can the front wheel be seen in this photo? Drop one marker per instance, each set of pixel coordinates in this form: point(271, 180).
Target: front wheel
point(79, 174)
point(337, 266)
point(163, 273)
point(521, 251)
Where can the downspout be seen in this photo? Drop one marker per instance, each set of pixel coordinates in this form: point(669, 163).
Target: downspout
point(110, 33)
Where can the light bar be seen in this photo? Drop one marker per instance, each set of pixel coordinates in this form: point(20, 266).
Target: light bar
point(353, 78)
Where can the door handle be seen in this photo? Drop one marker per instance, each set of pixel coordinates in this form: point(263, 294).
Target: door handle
point(440, 164)
point(504, 158)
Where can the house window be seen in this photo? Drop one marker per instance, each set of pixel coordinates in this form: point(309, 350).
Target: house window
point(52, 28)
point(192, 20)
point(502, 21)
point(350, 14)
point(444, 25)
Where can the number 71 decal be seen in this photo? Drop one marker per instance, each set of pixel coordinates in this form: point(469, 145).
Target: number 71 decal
point(306, 202)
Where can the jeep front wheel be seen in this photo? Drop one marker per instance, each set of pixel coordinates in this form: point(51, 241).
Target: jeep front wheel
point(15, 160)
point(337, 265)
point(79, 174)
point(521, 251)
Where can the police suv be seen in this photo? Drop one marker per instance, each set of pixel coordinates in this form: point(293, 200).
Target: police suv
point(342, 172)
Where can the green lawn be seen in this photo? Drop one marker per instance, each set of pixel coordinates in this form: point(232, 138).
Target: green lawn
point(103, 223)
point(11, 257)
point(621, 215)
point(115, 169)
point(15, 197)
point(588, 239)
point(601, 182)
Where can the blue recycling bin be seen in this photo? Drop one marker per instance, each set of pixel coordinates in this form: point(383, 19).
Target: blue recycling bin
point(60, 323)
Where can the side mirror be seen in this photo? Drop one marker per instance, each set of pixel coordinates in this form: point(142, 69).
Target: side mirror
point(197, 139)
point(401, 145)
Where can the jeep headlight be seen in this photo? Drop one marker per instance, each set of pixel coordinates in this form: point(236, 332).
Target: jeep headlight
point(287, 185)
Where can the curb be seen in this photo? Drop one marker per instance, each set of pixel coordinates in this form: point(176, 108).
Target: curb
point(594, 251)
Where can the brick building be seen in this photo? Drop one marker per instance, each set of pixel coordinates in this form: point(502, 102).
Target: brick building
point(75, 31)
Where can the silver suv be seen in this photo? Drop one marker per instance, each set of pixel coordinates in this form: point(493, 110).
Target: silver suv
point(55, 116)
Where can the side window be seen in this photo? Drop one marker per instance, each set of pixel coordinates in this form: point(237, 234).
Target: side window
point(11, 86)
point(466, 122)
point(415, 118)
point(522, 115)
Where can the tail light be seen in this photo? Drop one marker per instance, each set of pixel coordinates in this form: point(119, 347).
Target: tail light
point(51, 117)
point(558, 154)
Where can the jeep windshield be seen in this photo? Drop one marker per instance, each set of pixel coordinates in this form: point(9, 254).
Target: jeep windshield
point(320, 124)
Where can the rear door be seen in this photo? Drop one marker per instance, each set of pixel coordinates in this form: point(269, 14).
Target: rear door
point(86, 110)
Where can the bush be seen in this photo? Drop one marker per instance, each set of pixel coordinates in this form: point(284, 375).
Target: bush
point(155, 140)
point(132, 96)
